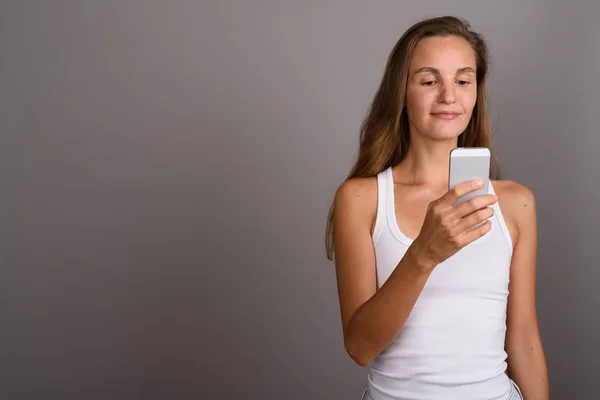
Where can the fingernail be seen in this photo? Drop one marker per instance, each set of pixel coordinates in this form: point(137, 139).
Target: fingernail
point(479, 182)
point(495, 197)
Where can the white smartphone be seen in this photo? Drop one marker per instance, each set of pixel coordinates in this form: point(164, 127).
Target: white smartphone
point(466, 164)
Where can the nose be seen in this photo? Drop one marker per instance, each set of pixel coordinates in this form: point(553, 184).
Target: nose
point(447, 94)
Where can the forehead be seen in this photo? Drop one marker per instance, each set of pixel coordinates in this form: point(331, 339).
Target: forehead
point(443, 53)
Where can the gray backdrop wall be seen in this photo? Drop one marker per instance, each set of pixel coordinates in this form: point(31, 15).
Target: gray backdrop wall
point(167, 167)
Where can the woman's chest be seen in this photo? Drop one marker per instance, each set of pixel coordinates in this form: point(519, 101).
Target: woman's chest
point(411, 206)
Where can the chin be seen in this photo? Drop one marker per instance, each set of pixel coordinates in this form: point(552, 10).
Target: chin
point(444, 134)
point(442, 130)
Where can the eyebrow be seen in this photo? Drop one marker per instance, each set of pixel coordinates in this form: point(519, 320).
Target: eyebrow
point(436, 71)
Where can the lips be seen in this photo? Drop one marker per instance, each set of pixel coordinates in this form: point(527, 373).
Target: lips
point(446, 115)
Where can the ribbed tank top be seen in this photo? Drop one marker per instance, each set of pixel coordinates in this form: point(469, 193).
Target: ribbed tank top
point(451, 347)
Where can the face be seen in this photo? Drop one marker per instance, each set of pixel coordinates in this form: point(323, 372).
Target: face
point(441, 89)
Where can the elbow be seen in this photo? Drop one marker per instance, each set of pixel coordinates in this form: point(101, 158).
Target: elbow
point(357, 356)
point(362, 363)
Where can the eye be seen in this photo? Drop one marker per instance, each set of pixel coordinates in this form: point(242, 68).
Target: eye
point(428, 83)
point(463, 83)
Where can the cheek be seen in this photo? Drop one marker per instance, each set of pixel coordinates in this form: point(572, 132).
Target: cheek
point(470, 99)
point(416, 103)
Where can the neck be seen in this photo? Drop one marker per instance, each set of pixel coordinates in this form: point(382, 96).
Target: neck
point(427, 162)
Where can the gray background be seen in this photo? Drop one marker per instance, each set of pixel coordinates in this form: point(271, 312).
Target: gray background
point(167, 167)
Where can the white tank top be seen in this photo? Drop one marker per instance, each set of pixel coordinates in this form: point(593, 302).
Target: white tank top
point(452, 344)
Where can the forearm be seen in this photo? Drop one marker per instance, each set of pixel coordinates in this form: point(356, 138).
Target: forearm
point(527, 367)
point(379, 320)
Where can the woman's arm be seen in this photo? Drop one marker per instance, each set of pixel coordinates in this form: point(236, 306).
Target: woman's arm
point(526, 360)
point(371, 318)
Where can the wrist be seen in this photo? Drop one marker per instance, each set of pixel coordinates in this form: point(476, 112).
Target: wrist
point(419, 261)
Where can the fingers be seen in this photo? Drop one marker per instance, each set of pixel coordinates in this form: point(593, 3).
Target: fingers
point(475, 233)
point(460, 190)
point(468, 222)
point(476, 203)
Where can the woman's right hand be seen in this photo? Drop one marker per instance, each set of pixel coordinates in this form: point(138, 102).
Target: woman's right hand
point(447, 229)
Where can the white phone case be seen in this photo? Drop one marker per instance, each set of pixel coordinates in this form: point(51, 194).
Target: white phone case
point(466, 164)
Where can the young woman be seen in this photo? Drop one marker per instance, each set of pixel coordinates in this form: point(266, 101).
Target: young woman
point(438, 309)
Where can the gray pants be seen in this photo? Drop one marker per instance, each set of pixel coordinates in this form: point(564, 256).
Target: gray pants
point(515, 393)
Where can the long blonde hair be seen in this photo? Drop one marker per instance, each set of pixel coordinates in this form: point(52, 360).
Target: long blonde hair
point(384, 133)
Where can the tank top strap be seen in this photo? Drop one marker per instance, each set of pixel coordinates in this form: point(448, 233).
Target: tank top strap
point(382, 200)
point(499, 217)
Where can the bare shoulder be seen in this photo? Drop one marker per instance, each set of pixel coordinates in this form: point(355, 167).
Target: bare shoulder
point(517, 203)
point(357, 196)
